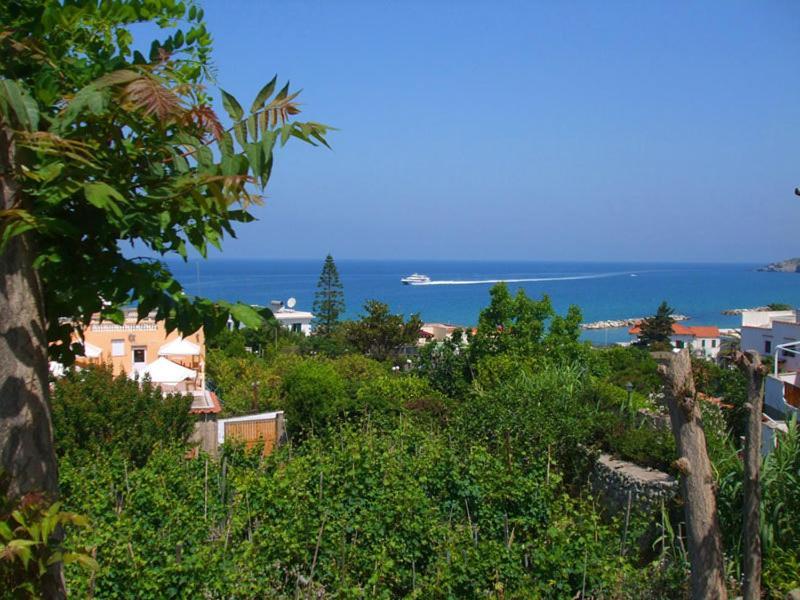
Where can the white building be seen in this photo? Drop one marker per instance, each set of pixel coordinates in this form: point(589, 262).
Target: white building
point(701, 340)
point(439, 332)
point(764, 331)
point(775, 335)
point(294, 320)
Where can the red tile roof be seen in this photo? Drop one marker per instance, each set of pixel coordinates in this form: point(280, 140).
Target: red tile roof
point(699, 331)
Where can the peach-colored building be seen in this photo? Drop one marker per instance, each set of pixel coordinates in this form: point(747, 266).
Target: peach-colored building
point(143, 348)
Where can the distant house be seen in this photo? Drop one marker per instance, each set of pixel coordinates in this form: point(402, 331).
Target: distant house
point(775, 335)
point(295, 320)
point(438, 332)
point(770, 332)
point(701, 340)
point(143, 348)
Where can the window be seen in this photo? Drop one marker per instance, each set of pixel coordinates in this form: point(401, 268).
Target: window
point(117, 347)
point(767, 346)
point(679, 343)
point(703, 344)
point(297, 327)
point(139, 355)
point(713, 343)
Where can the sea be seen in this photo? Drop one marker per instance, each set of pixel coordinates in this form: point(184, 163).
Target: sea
point(460, 289)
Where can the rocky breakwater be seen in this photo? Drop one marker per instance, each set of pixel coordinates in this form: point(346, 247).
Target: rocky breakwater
point(616, 323)
point(738, 311)
point(617, 480)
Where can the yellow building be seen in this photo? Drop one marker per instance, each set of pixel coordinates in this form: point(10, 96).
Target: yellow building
point(143, 348)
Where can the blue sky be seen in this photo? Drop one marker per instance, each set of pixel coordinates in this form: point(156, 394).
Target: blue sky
point(526, 130)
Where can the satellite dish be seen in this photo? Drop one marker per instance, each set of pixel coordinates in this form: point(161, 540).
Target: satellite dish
point(291, 302)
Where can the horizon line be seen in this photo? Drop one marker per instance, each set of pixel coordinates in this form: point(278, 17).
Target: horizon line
point(470, 260)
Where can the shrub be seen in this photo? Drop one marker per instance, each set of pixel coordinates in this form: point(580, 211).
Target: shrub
point(358, 370)
point(391, 393)
point(387, 513)
point(93, 409)
point(631, 364)
point(313, 394)
point(446, 365)
point(644, 446)
point(243, 382)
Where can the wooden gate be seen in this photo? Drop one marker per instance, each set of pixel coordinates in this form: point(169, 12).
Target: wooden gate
point(254, 432)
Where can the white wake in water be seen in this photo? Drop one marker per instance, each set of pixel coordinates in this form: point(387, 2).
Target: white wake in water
point(522, 280)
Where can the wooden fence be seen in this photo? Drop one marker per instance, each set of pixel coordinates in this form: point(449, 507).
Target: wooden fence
point(254, 432)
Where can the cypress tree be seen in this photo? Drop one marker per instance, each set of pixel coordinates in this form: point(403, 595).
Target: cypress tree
point(329, 298)
point(657, 330)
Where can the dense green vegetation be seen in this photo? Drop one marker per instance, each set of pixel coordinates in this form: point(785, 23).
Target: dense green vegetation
point(465, 477)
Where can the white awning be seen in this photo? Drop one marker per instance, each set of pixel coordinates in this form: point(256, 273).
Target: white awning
point(56, 369)
point(91, 351)
point(179, 347)
point(163, 370)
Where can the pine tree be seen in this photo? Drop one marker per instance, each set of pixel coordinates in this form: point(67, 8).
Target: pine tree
point(657, 330)
point(329, 299)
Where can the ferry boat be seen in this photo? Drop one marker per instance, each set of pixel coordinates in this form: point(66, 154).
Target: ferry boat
point(415, 279)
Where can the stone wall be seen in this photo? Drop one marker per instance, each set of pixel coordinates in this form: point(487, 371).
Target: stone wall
point(612, 480)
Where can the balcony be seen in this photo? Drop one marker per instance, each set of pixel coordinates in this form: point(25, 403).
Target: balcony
point(782, 395)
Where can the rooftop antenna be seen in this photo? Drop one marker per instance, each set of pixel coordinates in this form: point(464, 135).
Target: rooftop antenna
point(291, 302)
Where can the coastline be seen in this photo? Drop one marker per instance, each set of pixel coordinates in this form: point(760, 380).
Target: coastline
point(619, 323)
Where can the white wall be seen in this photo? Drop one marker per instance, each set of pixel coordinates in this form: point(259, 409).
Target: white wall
point(696, 344)
point(758, 318)
point(781, 332)
point(288, 321)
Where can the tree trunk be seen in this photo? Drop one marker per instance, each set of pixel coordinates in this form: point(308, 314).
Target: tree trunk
point(27, 455)
point(750, 363)
point(700, 505)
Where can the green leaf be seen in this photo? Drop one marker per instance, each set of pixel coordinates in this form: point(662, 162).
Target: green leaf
point(286, 132)
point(47, 173)
point(103, 196)
point(116, 78)
point(84, 560)
point(255, 154)
point(283, 93)
point(225, 144)
point(91, 97)
point(262, 96)
point(232, 106)
point(17, 106)
point(5, 531)
point(240, 131)
point(246, 314)
point(252, 127)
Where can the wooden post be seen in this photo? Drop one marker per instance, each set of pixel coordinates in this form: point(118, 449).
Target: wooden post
point(750, 364)
point(700, 504)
